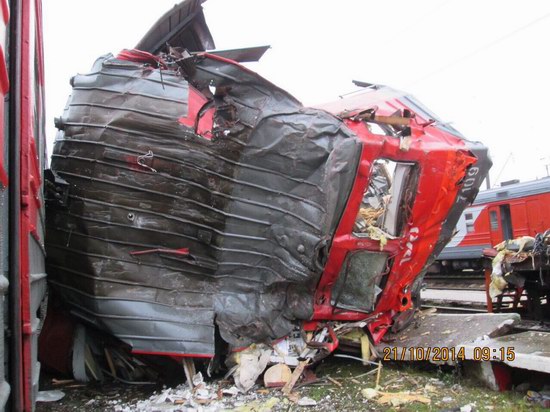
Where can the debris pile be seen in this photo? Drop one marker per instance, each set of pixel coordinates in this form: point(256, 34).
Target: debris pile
point(521, 267)
point(511, 251)
point(541, 398)
point(205, 397)
point(339, 385)
point(394, 399)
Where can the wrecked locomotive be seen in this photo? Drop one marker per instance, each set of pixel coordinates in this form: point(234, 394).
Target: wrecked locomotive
point(189, 195)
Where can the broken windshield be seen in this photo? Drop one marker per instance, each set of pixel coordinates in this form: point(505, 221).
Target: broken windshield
point(359, 282)
point(386, 201)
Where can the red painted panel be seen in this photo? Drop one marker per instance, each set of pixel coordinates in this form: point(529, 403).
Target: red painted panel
point(520, 223)
point(32, 140)
point(530, 215)
point(441, 167)
point(538, 213)
point(25, 128)
point(4, 87)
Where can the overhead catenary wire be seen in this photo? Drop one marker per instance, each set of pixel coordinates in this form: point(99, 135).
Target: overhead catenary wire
point(480, 49)
point(510, 156)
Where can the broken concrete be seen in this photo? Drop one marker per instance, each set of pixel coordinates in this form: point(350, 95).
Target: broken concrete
point(531, 350)
point(432, 334)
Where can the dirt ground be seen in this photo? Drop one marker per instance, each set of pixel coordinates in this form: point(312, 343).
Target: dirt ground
point(343, 385)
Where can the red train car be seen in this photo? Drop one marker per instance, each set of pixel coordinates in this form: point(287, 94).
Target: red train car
point(518, 209)
point(22, 160)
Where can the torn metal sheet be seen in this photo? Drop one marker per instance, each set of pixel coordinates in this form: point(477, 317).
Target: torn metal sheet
point(199, 196)
point(246, 54)
point(182, 26)
point(254, 202)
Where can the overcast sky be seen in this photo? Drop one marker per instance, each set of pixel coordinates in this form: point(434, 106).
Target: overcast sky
point(482, 65)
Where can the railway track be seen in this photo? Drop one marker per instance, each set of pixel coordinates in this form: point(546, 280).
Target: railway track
point(460, 296)
point(455, 288)
point(458, 281)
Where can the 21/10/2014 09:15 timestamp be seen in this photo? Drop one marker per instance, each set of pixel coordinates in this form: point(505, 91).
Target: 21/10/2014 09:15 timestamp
point(446, 354)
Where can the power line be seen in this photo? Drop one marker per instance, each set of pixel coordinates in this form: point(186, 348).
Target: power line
point(510, 156)
point(482, 48)
point(417, 21)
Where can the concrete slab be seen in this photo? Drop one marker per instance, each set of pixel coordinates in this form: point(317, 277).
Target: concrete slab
point(438, 337)
point(526, 350)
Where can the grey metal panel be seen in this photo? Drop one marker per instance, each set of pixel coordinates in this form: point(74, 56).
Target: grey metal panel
point(253, 205)
point(37, 253)
point(513, 191)
point(4, 283)
point(183, 26)
point(38, 287)
point(246, 54)
point(4, 287)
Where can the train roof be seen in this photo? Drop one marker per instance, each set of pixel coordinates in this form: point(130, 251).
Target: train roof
point(513, 191)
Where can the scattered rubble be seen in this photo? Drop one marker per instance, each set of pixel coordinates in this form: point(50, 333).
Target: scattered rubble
point(539, 398)
point(408, 388)
point(520, 276)
point(50, 396)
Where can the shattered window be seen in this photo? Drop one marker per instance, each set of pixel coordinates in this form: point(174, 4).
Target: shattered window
point(387, 200)
point(359, 281)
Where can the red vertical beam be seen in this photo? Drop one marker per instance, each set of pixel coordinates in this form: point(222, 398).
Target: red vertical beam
point(26, 122)
point(4, 83)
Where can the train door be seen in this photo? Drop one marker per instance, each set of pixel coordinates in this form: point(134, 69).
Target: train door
point(500, 223)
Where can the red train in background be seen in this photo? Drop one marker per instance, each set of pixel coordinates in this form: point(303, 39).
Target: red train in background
point(506, 212)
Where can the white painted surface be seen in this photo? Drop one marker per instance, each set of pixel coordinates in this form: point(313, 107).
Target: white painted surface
point(531, 350)
point(477, 296)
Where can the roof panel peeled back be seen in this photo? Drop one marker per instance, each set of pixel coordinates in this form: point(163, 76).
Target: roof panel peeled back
point(183, 26)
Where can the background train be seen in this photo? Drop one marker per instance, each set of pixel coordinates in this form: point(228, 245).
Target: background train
point(506, 212)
